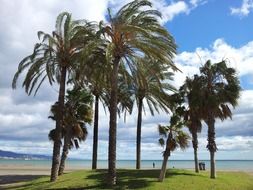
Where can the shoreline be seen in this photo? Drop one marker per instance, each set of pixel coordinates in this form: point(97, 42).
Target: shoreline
point(39, 170)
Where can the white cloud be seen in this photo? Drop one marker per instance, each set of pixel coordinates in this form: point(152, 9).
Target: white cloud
point(196, 3)
point(9, 120)
point(244, 10)
point(235, 143)
point(169, 9)
point(172, 9)
point(239, 58)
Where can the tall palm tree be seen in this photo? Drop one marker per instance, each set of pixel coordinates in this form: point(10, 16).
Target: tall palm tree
point(133, 31)
point(220, 88)
point(148, 83)
point(97, 90)
point(54, 58)
point(173, 134)
point(98, 80)
point(93, 72)
point(190, 90)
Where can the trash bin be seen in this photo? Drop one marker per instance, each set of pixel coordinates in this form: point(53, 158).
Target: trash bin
point(202, 166)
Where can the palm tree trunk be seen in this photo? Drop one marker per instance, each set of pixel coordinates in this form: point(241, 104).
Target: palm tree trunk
point(138, 137)
point(212, 165)
point(95, 134)
point(166, 156)
point(58, 130)
point(211, 146)
point(113, 123)
point(195, 147)
point(164, 165)
point(65, 152)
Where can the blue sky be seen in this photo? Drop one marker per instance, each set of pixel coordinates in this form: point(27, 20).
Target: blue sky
point(203, 29)
point(209, 22)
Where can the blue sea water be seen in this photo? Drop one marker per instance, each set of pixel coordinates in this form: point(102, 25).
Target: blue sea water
point(244, 165)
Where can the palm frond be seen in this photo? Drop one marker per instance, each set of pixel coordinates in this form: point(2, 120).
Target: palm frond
point(163, 130)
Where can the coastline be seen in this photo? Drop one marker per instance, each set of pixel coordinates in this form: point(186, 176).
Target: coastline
point(43, 167)
point(40, 170)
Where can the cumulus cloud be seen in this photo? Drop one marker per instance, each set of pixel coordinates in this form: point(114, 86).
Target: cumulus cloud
point(244, 10)
point(174, 8)
point(239, 58)
point(21, 20)
point(196, 3)
point(169, 9)
point(231, 144)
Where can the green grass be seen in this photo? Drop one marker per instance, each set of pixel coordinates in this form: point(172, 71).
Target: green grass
point(145, 179)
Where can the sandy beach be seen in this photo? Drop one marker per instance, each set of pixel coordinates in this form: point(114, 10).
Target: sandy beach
point(29, 170)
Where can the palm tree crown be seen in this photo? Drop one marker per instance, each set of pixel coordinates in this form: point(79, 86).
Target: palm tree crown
point(55, 58)
point(54, 52)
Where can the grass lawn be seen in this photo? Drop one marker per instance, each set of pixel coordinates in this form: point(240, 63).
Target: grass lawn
point(145, 179)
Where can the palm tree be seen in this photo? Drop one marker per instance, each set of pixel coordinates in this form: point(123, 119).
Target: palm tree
point(194, 125)
point(98, 80)
point(190, 90)
point(72, 137)
point(134, 31)
point(148, 84)
point(220, 88)
point(176, 137)
point(78, 111)
point(97, 90)
point(74, 134)
point(54, 58)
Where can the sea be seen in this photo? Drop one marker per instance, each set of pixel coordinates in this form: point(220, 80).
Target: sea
point(238, 165)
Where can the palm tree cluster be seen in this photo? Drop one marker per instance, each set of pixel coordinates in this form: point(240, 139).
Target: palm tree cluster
point(210, 95)
point(123, 62)
point(204, 97)
point(108, 58)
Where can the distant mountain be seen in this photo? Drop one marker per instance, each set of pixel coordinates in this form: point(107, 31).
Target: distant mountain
point(13, 155)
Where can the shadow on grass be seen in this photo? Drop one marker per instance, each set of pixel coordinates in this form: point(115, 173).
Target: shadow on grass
point(8, 179)
point(131, 179)
point(171, 173)
point(16, 181)
point(126, 179)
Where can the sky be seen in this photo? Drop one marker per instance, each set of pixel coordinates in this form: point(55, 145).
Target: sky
point(203, 30)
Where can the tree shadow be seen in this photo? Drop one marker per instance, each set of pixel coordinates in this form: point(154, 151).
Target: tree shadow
point(16, 181)
point(126, 179)
point(8, 179)
point(171, 173)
